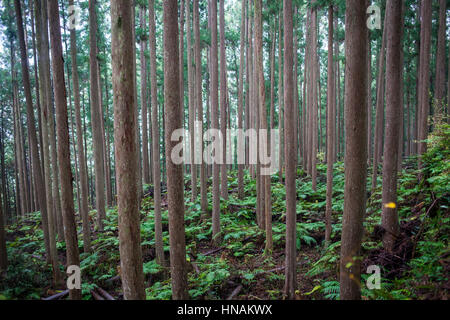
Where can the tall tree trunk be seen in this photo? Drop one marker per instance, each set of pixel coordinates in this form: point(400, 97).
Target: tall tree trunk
point(175, 186)
point(394, 110)
point(356, 34)
point(215, 119)
point(191, 102)
point(280, 98)
point(379, 113)
point(31, 123)
point(46, 98)
point(264, 142)
point(156, 141)
point(241, 98)
point(126, 150)
point(96, 118)
point(3, 253)
point(223, 101)
point(62, 128)
point(199, 101)
point(290, 153)
point(440, 56)
point(424, 77)
point(84, 188)
point(145, 159)
point(331, 107)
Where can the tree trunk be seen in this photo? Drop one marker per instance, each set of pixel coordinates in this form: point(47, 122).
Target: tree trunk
point(440, 57)
point(215, 119)
point(392, 129)
point(290, 153)
point(145, 159)
point(379, 113)
point(424, 77)
point(156, 141)
point(84, 188)
point(31, 123)
point(280, 99)
point(356, 34)
point(126, 150)
point(96, 118)
point(62, 128)
point(331, 106)
point(223, 102)
point(175, 186)
point(46, 98)
point(191, 103)
point(241, 97)
point(199, 101)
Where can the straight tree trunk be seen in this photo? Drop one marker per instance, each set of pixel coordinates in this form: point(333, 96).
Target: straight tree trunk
point(62, 129)
point(155, 133)
point(280, 99)
point(3, 253)
point(394, 110)
point(191, 103)
point(46, 97)
point(96, 118)
point(31, 123)
point(264, 142)
point(241, 97)
point(424, 77)
point(175, 184)
point(440, 56)
point(145, 159)
point(223, 102)
point(199, 101)
point(215, 119)
point(126, 150)
point(84, 188)
point(379, 113)
point(331, 106)
point(290, 153)
point(356, 34)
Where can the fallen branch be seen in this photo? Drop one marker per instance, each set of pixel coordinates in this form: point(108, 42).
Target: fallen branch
point(105, 294)
point(235, 292)
point(57, 296)
point(96, 295)
point(213, 251)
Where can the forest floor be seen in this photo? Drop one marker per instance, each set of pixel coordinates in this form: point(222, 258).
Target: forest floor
point(418, 268)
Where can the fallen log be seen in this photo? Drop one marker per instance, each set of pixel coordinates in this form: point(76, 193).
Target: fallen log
point(57, 296)
point(105, 294)
point(235, 292)
point(96, 296)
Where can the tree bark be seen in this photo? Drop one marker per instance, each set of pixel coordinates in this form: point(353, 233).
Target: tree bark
point(424, 77)
point(394, 110)
point(31, 123)
point(156, 141)
point(84, 188)
point(215, 119)
point(290, 153)
point(241, 97)
point(379, 113)
point(223, 102)
point(126, 150)
point(175, 184)
point(440, 56)
point(62, 128)
point(46, 97)
point(331, 106)
point(145, 158)
point(96, 118)
point(356, 34)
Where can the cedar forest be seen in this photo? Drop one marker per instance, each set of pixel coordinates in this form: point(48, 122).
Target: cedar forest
point(93, 92)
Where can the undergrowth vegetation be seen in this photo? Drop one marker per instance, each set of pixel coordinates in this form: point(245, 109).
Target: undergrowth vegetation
point(419, 269)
